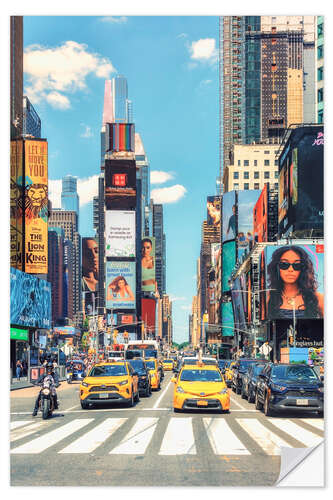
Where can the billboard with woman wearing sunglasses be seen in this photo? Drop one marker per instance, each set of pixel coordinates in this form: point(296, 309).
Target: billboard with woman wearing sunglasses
point(295, 281)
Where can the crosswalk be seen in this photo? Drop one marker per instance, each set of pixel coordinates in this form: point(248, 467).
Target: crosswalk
point(178, 435)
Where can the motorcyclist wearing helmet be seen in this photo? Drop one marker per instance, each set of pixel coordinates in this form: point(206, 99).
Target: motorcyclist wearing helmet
point(53, 378)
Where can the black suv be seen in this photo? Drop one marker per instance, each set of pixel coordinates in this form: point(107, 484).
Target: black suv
point(139, 365)
point(239, 369)
point(250, 379)
point(289, 387)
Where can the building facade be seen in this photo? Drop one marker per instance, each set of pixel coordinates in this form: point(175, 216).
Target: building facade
point(32, 124)
point(69, 195)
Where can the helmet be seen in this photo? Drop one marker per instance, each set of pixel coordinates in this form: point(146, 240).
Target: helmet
point(49, 367)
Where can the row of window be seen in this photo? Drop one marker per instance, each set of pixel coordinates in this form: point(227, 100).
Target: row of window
point(246, 186)
point(256, 175)
point(246, 163)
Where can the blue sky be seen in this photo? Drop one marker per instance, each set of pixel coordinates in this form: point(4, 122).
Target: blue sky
point(172, 71)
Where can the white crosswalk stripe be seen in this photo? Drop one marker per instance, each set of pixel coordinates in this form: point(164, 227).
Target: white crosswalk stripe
point(297, 432)
point(23, 432)
point(267, 440)
point(319, 424)
point(178, 438)
point(19, 423)
point(222, 439)
point(138, 439)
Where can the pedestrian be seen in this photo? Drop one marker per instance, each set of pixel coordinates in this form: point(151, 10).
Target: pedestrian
point(19, 368)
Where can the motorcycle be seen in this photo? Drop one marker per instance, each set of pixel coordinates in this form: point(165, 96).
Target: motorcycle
point(69, 377)
point(46, 402)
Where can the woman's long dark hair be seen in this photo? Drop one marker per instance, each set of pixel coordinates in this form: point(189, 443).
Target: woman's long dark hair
point(307, 283)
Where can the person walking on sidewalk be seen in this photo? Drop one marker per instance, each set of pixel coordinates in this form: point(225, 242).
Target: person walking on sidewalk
point(19, 368)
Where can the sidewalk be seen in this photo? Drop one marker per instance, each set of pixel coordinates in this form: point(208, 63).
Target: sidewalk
point(20, 384)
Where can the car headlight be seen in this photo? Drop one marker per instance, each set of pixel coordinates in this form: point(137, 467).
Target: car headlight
point(124, 382)
point(179, 389)
point(85, 384)
point(276, 387)
point(224, 391)
point(46, 391)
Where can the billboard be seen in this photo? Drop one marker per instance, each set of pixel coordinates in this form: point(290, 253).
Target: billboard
point(260, 217)
point(121, 137)
point(119, 233)
point(238, 305)
point(295, 280)
point(88, 299)
point(262, 287)
point(120, 285)
point(16, 204)
point(214, 211)
point(35, 206)
point(246, 202)
point(66, 331)
point(148, 314)
point(215, 249)
point(229, 230)
point(227, 320)
point(148, 277)
point(89, 265)
point(30, 300)
point(120, 184)
point(229, 261)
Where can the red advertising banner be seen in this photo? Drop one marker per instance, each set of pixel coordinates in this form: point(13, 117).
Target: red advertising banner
point(148, 313)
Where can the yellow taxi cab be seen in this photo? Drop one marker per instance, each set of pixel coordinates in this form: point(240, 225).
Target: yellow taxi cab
point(200, 386)
point(167, 364)
point(228, 373)
point(110, 382)
point(152, 365)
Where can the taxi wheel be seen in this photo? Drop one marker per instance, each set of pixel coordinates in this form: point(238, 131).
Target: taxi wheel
point(243, 393)
point(257, 403)
point(137, 397)
point(250, 397)
point(131, 401)
point(84, 405)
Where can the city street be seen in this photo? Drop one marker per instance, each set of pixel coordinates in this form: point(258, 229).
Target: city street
point(150, 445)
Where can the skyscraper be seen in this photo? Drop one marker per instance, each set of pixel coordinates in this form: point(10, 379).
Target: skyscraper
point(160, 250)
point(32, 124)
point(69, 196)
point(142, 165)
point(16, 76)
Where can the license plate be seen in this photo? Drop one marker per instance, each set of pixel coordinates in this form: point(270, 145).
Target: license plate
point(103, 396)
point(202, 403)
point(302, 402)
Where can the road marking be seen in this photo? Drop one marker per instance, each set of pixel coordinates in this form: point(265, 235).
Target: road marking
point(42, 443)
point(161, 396)
point(222, 438)
point(138, 439)
point(266, 439)
point(71, 408)
point(319, 424)
point(30, 429)
point(178, 438)
point(297, 432)
point(94, 438)
point(19, 423)
point(236, 403)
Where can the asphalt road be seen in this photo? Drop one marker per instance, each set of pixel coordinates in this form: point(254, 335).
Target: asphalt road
point(150, 445)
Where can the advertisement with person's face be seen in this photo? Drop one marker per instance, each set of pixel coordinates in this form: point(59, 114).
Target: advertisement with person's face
point(120, 185)
point(283, 193)
point(227, 320)
point(148, 276)
point(89, 265)
point(246, 203)
point(215, 251)
point(260, 217)
point(120, 284)
point(214, 211)
point(295, 280)
point(119, 233)
point(229, 261)
point(238, 305)
point(229, 216)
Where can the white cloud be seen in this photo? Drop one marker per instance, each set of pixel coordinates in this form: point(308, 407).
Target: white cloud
point(159, 177)
point(87, 133)
point(53, 73)
point(186, 308)
point(114, 19)
point(204, 50)
point(87, 188)
point(170, 194)
point(203, 83)
point(174, 298)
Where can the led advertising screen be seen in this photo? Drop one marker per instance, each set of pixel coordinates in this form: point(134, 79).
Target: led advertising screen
point(120, 184)
point(120, 285)
point(262, 292)
point(88, 299)
point(260, 217)
point(16, 204)
point(30, 300)
point(229, 216)
point(295, 280)
point(119, 233)
point(229, 261)
point(121, 136)
point(89, 265)
point(246, 202)
point(148, 260)
point(214, 211)
point(227, 320)
point(35, 207)
point(238, 305)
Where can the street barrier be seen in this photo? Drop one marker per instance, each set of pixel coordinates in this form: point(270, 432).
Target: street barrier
point(36, 371)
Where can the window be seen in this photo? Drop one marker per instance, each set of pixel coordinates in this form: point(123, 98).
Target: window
point(320, 116)
point(276, 162)
point(236, 186)
point(276, 185)
point(239, 163)
point(266, 175)
point(236, 175)
point(266, 163)
point(255, 163)
point(246, 175)
point(246, 185)
point(320, 95)
point(256, 175)
point(320, 51)
point(320, 73)
point(276, 174)
point(320, 30)
point(246, 163)
point(256, 185)
point(266, 152)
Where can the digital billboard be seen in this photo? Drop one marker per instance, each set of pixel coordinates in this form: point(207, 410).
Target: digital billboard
point(89, 265)
point(88, 299)
point(227, 320)
point(214, 211)
point(35, 206)
point(246, 203)
point(119, 233)
point(120, 184)
point(16, 204)
point(238, 305)
point(295, 281)
point(120, 285)
point(148, 276)
point(262, 287)
point(229, 223)
point(229, 261)
point(215, 249)
point(121, 136)
point(30, 300)
point(260, 217)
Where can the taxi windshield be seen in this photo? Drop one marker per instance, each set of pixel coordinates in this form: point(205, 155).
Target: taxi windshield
point(150, 365)
point(108, 371)
point(200, 376)
point(167, 361)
